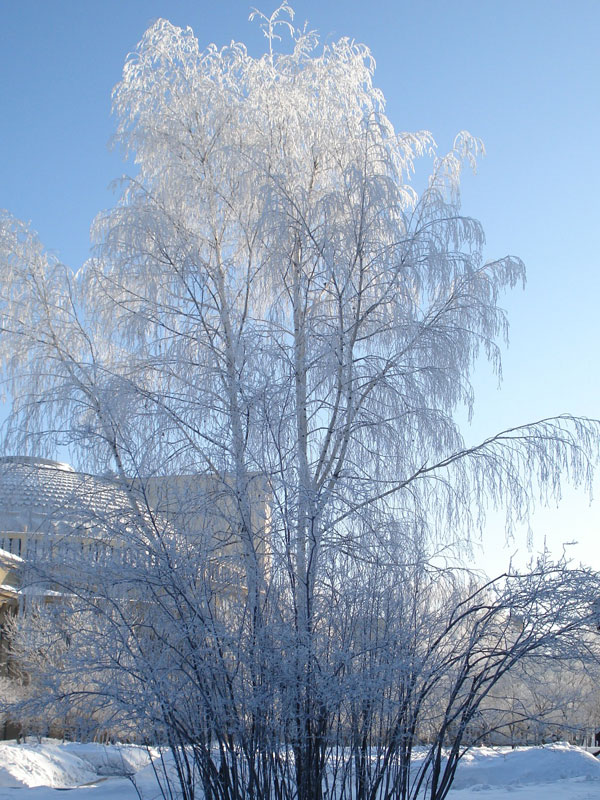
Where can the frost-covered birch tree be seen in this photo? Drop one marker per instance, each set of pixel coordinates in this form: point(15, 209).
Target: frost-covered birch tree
point(272, 299)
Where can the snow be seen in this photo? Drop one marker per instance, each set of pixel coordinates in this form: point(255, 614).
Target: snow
point(40, 770)
point(7, 556)
point(58, 766)
point(525, 765)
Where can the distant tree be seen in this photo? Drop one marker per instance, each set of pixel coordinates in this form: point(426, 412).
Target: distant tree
point(548, 698)
point(271, 297)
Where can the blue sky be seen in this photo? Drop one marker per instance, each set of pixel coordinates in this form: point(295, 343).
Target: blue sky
point(521, 74)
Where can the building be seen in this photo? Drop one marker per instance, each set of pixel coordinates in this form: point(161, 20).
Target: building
point(49, 512)
point(56, 523)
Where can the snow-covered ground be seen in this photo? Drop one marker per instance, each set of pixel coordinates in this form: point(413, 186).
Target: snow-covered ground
point(41, 771)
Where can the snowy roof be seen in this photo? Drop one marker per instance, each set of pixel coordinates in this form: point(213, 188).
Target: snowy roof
point(38, 494)
point(10, 558)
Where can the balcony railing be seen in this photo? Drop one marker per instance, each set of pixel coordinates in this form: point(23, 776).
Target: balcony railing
point(38, 546)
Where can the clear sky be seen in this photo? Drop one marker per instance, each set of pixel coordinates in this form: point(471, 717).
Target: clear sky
point(521, 74)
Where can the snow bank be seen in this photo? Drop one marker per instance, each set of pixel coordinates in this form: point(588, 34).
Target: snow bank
point(43, 764)
point(111, 760)
point(61, 766)
point(65, 765)
point(486, 767)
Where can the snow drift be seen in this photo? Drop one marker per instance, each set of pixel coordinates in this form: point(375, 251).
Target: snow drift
point(70, 764)
point(65, 765)
point(485, 767)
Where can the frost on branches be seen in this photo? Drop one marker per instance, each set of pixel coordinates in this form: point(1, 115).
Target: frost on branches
point(272, 302)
